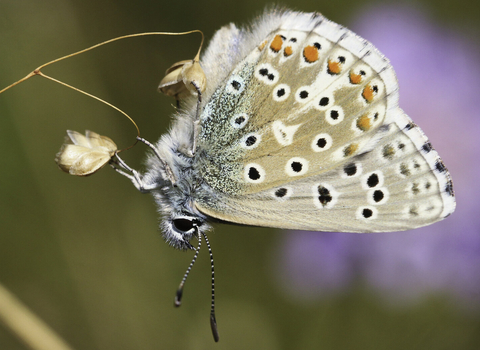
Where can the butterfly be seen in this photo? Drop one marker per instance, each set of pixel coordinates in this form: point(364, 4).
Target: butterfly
point(298, 127)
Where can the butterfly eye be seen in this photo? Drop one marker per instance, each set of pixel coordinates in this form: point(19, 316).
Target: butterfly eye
point(183, 225)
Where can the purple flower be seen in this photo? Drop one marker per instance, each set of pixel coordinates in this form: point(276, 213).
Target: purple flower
point(439, 77)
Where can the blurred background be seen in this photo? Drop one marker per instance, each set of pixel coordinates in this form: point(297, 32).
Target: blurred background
point(85, 254)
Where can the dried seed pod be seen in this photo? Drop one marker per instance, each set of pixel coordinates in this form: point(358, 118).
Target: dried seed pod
point(179, 78)
point(84, 155)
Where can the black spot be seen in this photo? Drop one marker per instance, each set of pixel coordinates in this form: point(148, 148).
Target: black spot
point(404, 170)
point(253, 173)
point(375, 88)
point(239, 120)
point(281, 192)
point(401, 146)
point(388, 152)
point(449, 188)
point(367, 213)
point(321, 142)
point(280, 92)
point(317, 46)
point(297, 166)
point(236, 85)
point(416, 165)
point(341, 59)
point(271, 77)
point(415, 188)
point(373, 180)
point(250, 141)
point(375, 116)
point(324, 101)
point(378, 196)
point(325, 196)
point(263, 72)
point(362, 72)
point(428, 185)
point(427, 147)
point(384, 128)
point(350, 169)
point(413, 210)
point(293, 40)
point(334, 115)
point(440, 166)
point(283, 37)
point(410, 126)
point(303, 94)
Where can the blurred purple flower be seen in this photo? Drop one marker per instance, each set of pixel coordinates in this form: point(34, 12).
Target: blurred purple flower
point(439, 77)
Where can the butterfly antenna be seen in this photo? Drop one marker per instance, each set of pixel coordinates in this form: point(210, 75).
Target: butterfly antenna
point(213, 321)
point(178, 295)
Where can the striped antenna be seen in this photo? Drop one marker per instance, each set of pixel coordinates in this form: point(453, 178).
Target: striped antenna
point(213, 321)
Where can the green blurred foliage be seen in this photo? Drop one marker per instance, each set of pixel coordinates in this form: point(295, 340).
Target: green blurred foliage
point(85, 254)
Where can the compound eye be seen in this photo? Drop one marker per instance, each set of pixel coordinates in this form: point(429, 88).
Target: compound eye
point(183, 225)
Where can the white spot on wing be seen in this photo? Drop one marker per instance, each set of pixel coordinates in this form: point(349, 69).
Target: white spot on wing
point(322, 142)
point(266, 74)
point(281, 92)
point(254, 173)
point(284, 134)
point(296, 166)
point(325, 200)
point(239, 121)
point(334, 115)
point(377, 196)
point(251, 140)
point(235, 85)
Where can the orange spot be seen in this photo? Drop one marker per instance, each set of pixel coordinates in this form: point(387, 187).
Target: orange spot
point(364, 123)
point(350, 149)
point(262, 45)
point(310, 53)
point(355, 78)
point(334, 67)
point(369, 93)
point(277, 43)
point(288, 51)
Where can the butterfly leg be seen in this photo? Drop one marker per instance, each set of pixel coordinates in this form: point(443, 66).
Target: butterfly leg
point(167, 168)
point(196, 125)
point(122, 168)
point(196, 122)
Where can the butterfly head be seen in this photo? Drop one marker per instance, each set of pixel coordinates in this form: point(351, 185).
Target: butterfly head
point(181, 221)
point(179, 228)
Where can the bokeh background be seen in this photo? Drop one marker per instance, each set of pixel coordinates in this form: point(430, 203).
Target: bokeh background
point(86, 256)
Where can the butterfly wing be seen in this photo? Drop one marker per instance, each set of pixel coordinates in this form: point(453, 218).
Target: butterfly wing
point(306, 133)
